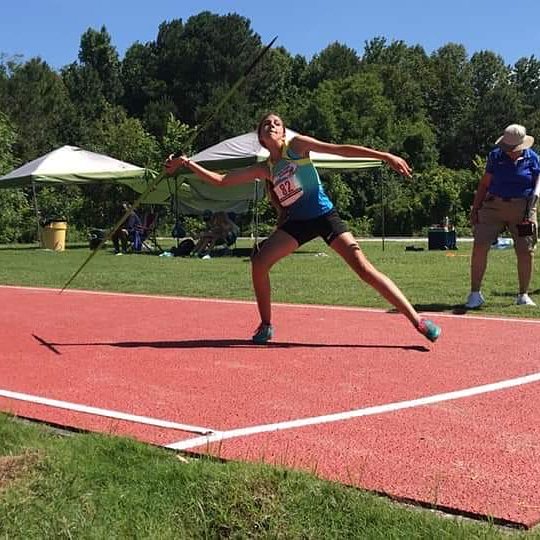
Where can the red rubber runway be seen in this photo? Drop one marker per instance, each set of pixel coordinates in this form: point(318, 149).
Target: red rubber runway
point(356, 396)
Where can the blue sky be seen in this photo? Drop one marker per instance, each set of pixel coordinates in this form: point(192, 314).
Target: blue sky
point(52, 29)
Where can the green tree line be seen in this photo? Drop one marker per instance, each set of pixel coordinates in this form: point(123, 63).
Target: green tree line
point(441, 111)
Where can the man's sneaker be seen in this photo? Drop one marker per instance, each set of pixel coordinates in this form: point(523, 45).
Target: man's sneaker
point(429, 329)
point(524, 300)
point(475, 300)
point(263, 334)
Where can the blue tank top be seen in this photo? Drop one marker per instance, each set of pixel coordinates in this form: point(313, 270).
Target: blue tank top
point(297, 186)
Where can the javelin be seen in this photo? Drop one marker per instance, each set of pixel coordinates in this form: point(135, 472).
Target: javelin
point(153, 184)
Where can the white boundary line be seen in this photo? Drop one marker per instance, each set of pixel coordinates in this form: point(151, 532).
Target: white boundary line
point(369, 411)
point(210, 435)
point(103, 412)
point(276, 304)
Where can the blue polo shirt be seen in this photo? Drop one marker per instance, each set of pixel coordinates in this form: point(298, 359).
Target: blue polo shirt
point(513, 179)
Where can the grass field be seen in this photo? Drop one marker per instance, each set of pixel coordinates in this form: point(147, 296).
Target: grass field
point(436, 281)
point(89, 486)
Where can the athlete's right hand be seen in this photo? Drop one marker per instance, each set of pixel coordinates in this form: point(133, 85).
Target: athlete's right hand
point(172, 163)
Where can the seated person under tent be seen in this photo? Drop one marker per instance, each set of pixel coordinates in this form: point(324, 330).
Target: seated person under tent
point(221, 230)
point(129, 233)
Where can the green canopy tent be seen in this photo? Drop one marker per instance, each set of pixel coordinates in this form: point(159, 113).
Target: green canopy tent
point(73, 165)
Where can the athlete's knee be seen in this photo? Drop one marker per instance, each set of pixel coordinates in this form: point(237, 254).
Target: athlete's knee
point(365, 270)
point(259, 263)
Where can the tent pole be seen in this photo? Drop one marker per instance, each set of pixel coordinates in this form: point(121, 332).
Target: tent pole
point(36, 210)
point(381, 182)
point(176, 213)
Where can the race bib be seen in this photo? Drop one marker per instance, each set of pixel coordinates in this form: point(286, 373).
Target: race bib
point(286, 186)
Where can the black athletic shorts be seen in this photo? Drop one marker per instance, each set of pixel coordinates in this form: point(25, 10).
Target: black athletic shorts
point(328, 226)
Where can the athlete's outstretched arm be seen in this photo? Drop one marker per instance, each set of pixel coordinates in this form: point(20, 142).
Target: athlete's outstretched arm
point(233, 178)
point(303, 145)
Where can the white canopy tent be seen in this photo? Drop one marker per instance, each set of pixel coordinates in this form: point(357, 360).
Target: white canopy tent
point(73, 165)
point(70, 164)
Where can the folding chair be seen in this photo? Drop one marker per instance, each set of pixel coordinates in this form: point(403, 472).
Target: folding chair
point(147, 233)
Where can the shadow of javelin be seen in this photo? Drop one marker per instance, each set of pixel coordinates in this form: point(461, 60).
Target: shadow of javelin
point(226, 344)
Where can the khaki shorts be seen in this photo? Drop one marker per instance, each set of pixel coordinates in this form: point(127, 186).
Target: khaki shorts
point(496, 215)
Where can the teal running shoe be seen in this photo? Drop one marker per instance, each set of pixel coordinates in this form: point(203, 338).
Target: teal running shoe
point(263, 334)
point(429, 329)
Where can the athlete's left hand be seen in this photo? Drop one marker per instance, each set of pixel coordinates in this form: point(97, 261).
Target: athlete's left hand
point(399, 165)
